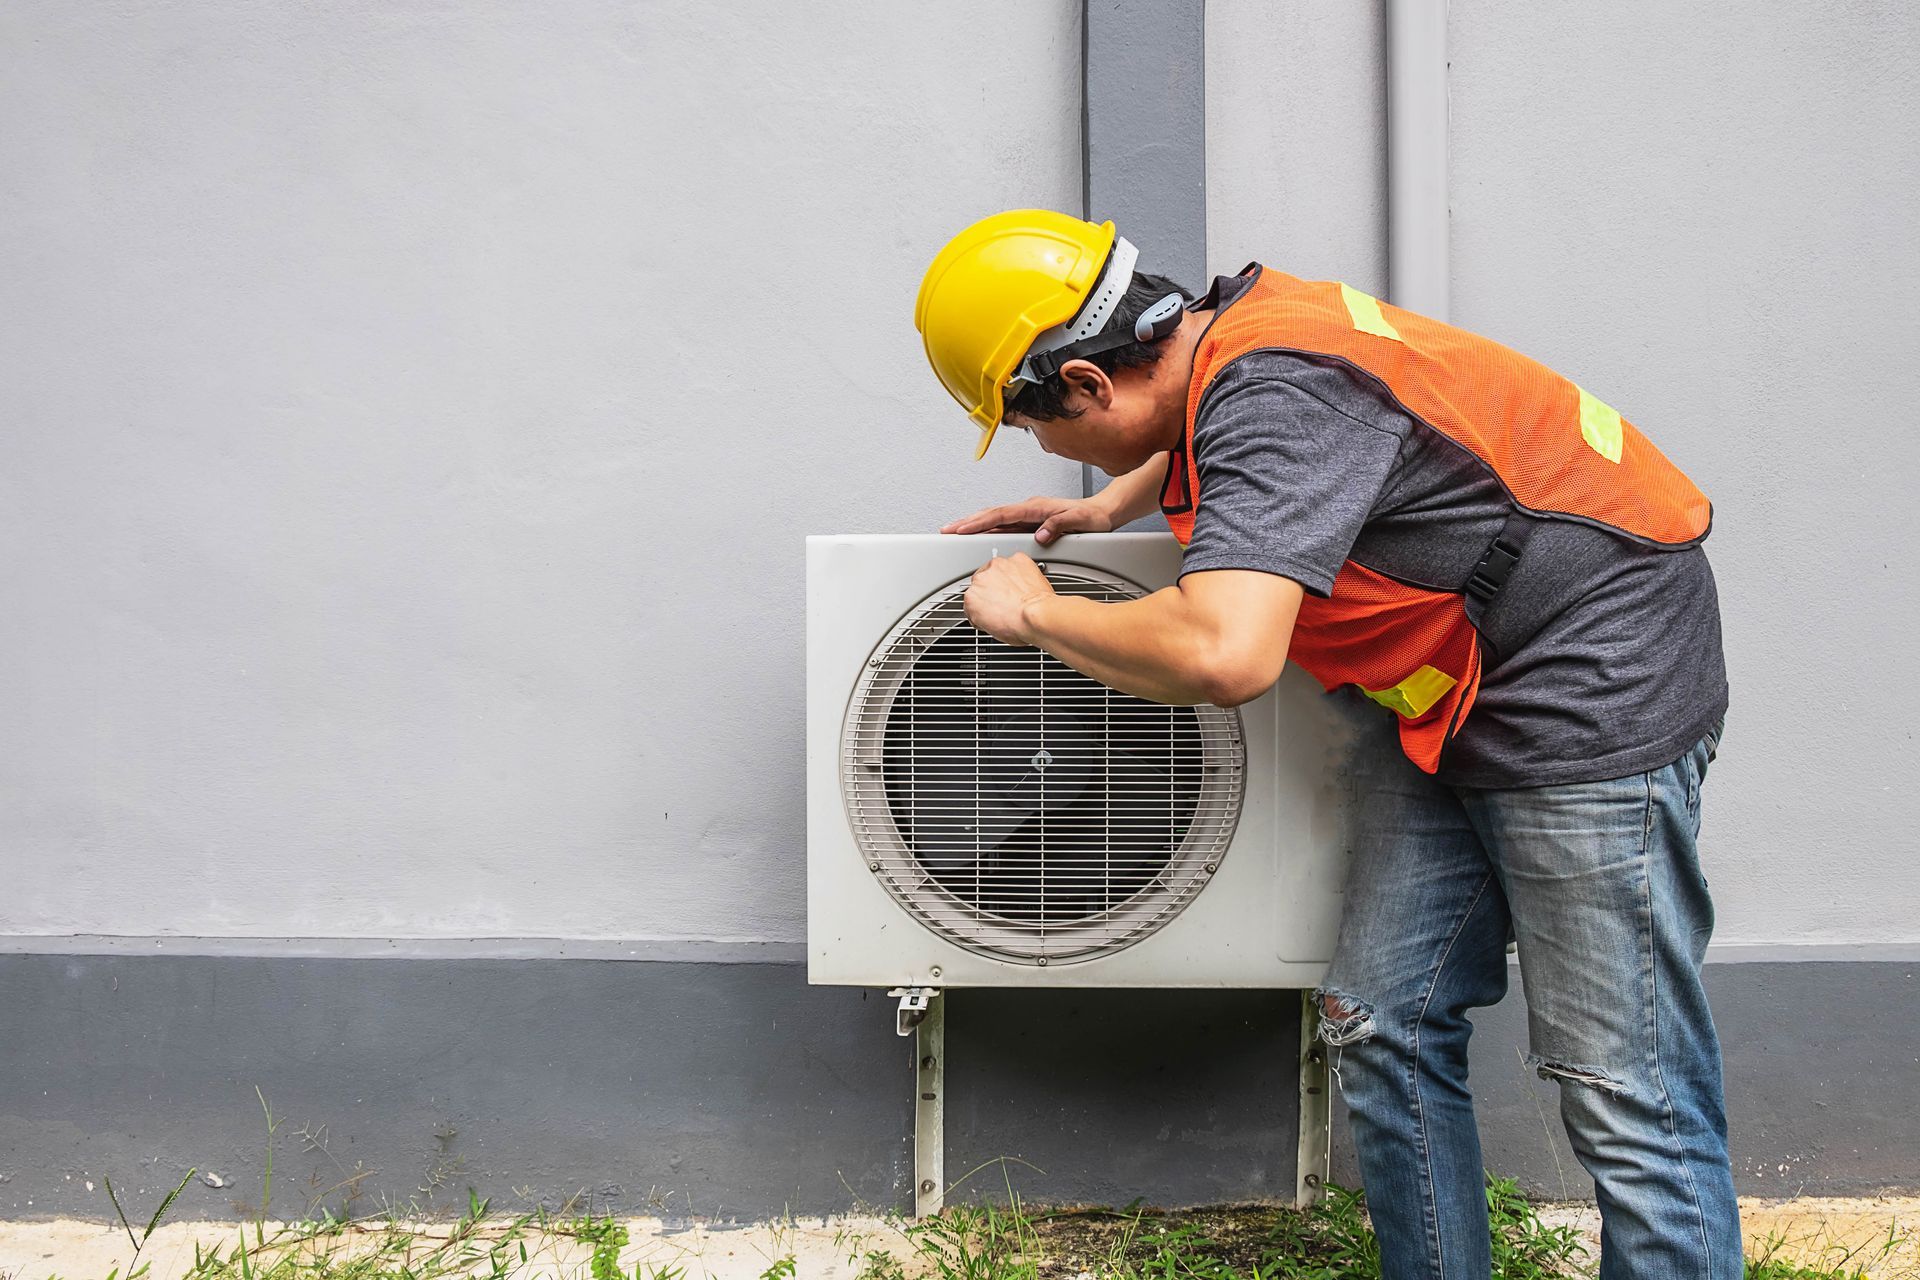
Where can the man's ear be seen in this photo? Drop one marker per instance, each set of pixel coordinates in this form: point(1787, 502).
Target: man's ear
point(1089, 381)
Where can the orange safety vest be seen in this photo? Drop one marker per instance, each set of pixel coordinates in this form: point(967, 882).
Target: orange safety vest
point(1560, 453)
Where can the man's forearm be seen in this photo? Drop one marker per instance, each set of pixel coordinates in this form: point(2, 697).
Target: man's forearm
point(1220, 636)
point(1152, 648)
point(1135, 494)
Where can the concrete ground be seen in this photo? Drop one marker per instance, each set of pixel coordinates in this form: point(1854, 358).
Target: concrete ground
point(1813, 1231)
point(73, 1250)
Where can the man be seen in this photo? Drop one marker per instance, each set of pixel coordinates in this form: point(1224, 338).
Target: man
point(1422, 517)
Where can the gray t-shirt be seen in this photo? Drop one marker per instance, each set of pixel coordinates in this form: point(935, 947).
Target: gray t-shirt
point(1601, 656)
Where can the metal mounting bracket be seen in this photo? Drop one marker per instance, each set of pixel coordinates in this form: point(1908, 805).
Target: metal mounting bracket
point(1312, 1161)
point(915, 1004)
point(924, 1015)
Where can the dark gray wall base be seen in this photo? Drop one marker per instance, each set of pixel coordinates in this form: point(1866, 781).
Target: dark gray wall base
point(718, 1090)
point(711, 1089)
point(737, 1091)
point(1099, 1097)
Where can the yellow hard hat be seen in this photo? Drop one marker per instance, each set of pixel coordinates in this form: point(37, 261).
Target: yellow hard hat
point(1010, 286)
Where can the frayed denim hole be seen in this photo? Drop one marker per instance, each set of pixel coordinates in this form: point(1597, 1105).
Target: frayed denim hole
point(1592, 1077)
point(1343, 1020)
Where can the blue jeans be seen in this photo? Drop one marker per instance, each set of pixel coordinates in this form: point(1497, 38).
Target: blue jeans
point(1600, 885)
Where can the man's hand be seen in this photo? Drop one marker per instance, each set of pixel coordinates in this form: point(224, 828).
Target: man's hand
point(999, 594)
point(1048, 518)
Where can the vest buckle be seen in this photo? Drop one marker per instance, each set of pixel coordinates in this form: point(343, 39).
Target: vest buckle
point(1495, 567)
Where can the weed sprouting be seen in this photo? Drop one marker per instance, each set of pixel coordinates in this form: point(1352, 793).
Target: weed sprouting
point(1525, 1248)
point(135, 1268)
point(878, 1264)
point(1832, 1262)
point(608, 1237)
point(1333, 1241)
point(974, 1242)
point(977, 1240)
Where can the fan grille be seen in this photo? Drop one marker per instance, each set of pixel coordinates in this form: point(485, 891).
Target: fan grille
point(1021, 809)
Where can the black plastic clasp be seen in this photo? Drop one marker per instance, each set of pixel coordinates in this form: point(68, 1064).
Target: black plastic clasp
point(1495, 567)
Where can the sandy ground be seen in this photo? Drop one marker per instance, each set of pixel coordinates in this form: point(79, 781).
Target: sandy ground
point(1808, 1230)
point(1811, 1230)
point(820, 1248)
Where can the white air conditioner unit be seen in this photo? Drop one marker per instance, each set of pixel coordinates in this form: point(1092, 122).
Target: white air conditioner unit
point(984, 816)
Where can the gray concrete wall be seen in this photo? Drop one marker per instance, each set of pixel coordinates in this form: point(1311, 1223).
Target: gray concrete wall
point(413, 416)
point(413, 419)
point(1710, 218)
point(1296, 151)
point(404, 492)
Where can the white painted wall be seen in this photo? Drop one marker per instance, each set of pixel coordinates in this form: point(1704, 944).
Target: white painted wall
point(413, 416)
point(1712, 218)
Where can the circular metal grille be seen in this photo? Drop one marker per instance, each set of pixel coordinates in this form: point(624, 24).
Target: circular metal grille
point(1021, 809)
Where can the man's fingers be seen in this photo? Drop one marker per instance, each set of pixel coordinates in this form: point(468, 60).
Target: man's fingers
point(1058, 523)
point(1009, 519)
point(1072, 520)
point(988, 521)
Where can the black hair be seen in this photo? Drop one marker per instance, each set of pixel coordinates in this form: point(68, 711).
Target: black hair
point(1046, 401)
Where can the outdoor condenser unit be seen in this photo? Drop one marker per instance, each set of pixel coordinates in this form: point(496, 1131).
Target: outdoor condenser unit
point(985, 816)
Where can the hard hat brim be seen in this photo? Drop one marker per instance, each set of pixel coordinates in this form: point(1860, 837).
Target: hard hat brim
point(986, 439)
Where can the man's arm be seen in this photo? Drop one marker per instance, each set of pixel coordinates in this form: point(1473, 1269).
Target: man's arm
point(1125, 498)
point(1218, 637)
point(1136, 493)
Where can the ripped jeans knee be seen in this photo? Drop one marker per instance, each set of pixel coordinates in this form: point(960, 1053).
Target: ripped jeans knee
point(1343, 1019)
point(1575, 1073)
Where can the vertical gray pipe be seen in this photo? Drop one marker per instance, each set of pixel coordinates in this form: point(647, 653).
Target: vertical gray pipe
point(1417, 215)
point(1144, 134)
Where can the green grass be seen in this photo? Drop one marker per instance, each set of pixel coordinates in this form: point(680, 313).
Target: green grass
point(1330, 1242)
point(978, 1241)
point(1834, 1262)
point(968, 1241)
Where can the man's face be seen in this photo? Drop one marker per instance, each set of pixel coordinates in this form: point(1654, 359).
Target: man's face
point(1124, 418)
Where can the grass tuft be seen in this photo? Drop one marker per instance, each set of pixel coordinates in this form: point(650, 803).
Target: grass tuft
point(1830, 1261)
point(968, 1241)
point(1333, 1241)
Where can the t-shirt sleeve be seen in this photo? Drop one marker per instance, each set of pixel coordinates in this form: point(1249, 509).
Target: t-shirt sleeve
point(1292, 457)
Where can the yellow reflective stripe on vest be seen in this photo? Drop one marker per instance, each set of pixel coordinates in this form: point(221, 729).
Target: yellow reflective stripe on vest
point(1366, 315)
point(1600, 426)
point(1415, 695)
